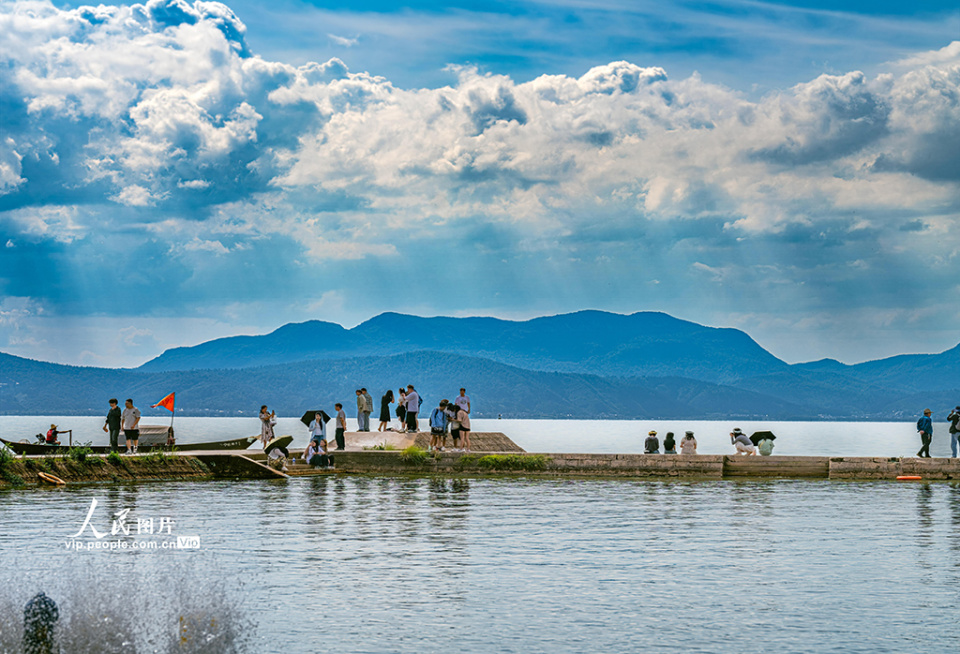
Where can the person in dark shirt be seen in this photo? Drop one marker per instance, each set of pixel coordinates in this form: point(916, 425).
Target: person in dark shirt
point(925, 427)
point(954, 420)
point(669, 444)
point(652, 444)
point(112, 424)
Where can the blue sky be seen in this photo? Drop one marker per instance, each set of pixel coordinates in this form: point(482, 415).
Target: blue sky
point(174, 171)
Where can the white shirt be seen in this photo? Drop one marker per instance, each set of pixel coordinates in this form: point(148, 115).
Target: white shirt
point(413, 402)
point(130, 417)
point(462, 401)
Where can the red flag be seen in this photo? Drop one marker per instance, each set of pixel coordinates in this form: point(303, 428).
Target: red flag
point(166, 403)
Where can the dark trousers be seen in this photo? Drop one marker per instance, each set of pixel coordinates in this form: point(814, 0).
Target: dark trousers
point(412, 421)
point(925, 438)
point(341, 441)
point(114, 440)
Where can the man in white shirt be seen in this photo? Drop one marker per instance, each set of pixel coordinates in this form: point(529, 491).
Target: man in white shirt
point(463, 401)
point(413, 406)
point(130, 420)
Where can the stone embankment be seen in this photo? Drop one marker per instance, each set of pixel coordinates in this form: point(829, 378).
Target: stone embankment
point(640, 466)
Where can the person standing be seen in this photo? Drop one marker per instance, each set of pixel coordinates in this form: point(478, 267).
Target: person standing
point(367, 408)
point(464, 419)
point(361, 405)
point(112, 424)
point(267, 421)
point(402, 410)
point(413, 407)
point(438, 426)
point(130, 420)
point(341, 426)
point(925, 427)
point(452, 411)
point(954, 419)
point(463, 401)
point(318, 428)
point(385, 403)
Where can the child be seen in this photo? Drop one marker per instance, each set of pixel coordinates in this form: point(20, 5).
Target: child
point(438, 426)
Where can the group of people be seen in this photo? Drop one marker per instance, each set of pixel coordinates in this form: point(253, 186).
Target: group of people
point(925, 429)
point(455, 418)
point(408, 407)
point(127, 421)
point(688, 444)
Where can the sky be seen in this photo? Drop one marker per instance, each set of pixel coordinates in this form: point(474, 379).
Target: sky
point(175, 171)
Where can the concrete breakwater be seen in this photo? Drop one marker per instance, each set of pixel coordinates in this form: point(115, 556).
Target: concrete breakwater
point(642, 466)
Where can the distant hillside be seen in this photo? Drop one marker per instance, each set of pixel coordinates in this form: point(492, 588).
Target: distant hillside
point(591, 342)
point(31, 387)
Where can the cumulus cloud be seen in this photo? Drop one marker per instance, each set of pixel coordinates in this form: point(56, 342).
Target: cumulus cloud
point(151, 132)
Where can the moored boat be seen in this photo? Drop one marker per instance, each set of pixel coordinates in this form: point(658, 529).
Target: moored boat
point(152, 438)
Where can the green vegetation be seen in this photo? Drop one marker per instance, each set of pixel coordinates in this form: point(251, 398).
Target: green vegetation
point(414, 455)
point(6, 460)
point(80, 452)
point(156, 457)
point(503, 462)
point(115, 458)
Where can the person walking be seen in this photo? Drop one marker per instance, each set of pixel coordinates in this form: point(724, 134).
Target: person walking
point(925, 427)
point(112, 424)
point(130, 419)
point(385, 403)
point(954, 419)
point(267, 420)
point(367, 408)
point(689, 444)
point(413, 407)
point(341, 426)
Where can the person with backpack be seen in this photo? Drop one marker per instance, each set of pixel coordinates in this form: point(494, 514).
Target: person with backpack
point(954, 419)
point(438, 426)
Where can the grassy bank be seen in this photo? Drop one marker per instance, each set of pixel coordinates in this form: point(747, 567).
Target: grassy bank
point(81, 466)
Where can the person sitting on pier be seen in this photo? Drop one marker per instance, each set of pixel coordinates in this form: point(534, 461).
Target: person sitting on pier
point(317, 455)
point(742, 442)
point(766, 447)
point(652, 444)
point(669, 445)
point(689, 444)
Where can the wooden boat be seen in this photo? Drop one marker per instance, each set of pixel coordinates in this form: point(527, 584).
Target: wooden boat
point(152, 439)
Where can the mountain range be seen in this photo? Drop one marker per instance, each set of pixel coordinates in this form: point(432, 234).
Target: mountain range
point(589, 364)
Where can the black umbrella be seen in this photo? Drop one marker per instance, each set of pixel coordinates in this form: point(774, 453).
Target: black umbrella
point(762, 436)
point(307, 417)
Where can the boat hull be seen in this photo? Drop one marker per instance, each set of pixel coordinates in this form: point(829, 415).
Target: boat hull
point(41, 448)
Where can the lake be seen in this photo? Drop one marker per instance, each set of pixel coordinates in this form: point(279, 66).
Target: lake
point(601, 436)
point(412, 565)
point(403, 565)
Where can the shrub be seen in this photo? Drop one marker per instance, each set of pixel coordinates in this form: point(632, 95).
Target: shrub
point(6, 456)
point(414, 455)
point(115, 459)
point(157, 457)
point(80, 452)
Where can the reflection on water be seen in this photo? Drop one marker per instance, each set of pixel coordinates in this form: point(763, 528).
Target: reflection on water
point(376, 564)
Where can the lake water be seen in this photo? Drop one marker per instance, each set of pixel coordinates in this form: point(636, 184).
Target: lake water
point(619, 436)
point(412, 565)
point(432, 564)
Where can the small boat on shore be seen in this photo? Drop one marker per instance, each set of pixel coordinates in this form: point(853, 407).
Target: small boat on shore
point(152, 439)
